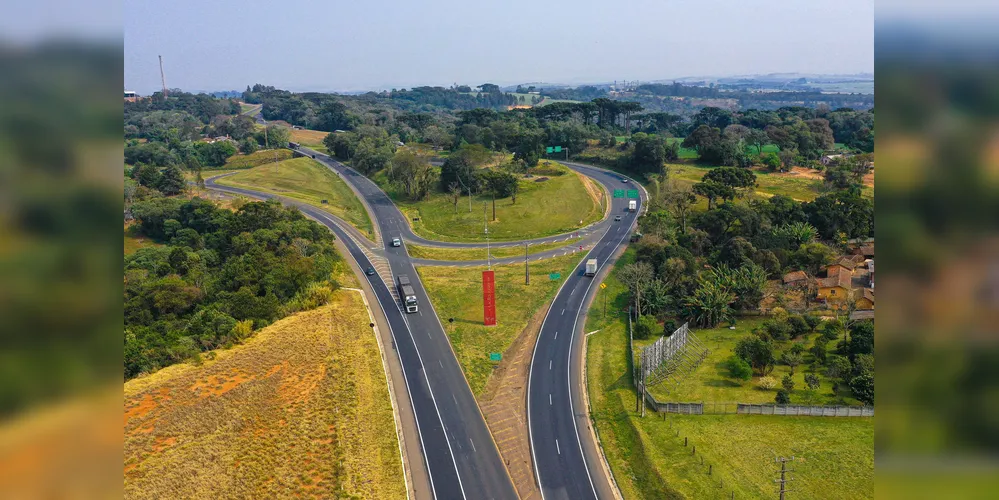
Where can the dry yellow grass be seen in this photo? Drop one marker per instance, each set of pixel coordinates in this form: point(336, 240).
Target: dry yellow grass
point(301, 409)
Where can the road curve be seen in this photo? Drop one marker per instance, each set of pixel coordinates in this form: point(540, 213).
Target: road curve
point(567, 460)
point(458, 450)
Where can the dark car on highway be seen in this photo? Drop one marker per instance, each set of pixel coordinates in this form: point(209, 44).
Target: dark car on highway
point(370, 271)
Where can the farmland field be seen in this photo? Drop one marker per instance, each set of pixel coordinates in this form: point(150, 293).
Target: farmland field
point(307, 180)
point(649, 460)
point(457, 293)
point(301, 409)
point(546, 205)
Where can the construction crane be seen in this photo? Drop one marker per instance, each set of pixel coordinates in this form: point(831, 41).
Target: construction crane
point(163, 78)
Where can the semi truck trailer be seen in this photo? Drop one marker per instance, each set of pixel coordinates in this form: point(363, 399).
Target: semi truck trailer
point(407, 295)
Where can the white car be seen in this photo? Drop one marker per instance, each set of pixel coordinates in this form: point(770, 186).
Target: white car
point(396, 242)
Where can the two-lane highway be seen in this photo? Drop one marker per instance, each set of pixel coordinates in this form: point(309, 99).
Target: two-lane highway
point(566, 458)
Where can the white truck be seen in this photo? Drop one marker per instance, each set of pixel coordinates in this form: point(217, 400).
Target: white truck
point(591, 268)
point(406, 294)
point(632, 205)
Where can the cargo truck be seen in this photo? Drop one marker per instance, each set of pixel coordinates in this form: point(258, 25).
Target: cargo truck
point(406, 294)
point(591, 268)
point(632, 205)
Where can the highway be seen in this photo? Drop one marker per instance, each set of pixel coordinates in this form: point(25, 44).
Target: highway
point(459, 453)
point(460, 456)
point(567, 459)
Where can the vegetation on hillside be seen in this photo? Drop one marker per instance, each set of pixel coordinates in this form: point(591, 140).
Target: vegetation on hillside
point(217, 276)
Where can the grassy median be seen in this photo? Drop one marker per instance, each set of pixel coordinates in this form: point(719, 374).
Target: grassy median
point(307, 180)
point(459, 254)
point(457, 293)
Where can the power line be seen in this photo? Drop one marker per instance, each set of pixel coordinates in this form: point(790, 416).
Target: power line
point(784, 475)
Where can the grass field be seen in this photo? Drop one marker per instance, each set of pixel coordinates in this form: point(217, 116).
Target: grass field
point(310, 138)
point(711, 383)
point(256, 159)
point(555, 206)
point(307, 180)
point(301, 409)
point(649, 461)
point(245, 108)
point(440, 253)
point(457, 293)
point(134, 242)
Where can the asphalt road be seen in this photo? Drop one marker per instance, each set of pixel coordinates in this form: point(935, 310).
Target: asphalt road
point(459, 453)
point(566, 458)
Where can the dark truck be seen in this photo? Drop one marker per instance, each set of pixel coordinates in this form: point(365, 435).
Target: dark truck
point(406, 294)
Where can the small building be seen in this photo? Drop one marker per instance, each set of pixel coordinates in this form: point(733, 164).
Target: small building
point(844, 264)
point(795, 278)
point(835, 288)
point(864, 299)
point(830, 159)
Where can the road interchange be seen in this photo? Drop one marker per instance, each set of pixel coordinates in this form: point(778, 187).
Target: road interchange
point(460, 456)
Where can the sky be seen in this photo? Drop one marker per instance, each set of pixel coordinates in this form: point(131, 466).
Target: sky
point(338, 45)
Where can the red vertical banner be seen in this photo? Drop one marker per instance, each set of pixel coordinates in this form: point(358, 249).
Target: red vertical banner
point(489, 298)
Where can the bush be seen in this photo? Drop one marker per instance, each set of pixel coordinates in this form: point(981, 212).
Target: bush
point(787, 382)
point(776, 330)
point(797, 325)
point(863, 388)
point(645, 327)
point(812, 381)
point(813, 322)
point(738, 368)
point(832, 329)
point(768, 383)
point(783, 397)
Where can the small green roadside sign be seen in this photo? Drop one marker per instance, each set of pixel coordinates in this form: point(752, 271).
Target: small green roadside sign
point(633, 193)
point(495, 356)
point(619, 193)
point(554, 276)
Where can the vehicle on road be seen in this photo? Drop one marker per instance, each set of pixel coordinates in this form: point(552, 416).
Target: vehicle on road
point(292, 145)
point(370, 271)
point(396, 242)
point(407, 295)
point(591, 268)
point(617, 218)
point(624, 180)
point(632, 205)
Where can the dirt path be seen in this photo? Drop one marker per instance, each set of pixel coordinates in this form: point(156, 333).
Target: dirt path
point(504, 404)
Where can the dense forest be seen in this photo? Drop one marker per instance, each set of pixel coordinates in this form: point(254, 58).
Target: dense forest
point(218, 275)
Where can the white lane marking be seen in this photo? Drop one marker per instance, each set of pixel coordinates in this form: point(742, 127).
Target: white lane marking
point(421, 312)
point(557, 447)
point(549, 364)
point(549, 399)
point(556, 334)
point(473, 445)
point(563, 311)
point(440, 363)
point(455, 400)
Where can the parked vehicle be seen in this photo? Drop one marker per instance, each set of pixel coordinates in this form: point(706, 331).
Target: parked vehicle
point(591, 268)
point(407, 295)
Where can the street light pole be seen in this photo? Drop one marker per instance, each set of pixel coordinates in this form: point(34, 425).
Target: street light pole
point(527, 269)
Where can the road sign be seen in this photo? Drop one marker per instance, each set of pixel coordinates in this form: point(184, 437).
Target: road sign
point(554, 276)
point(603, 285)
point(632, 193)
point(495, 356)
point(549, 150)
point(558, 149)
point(619, 193)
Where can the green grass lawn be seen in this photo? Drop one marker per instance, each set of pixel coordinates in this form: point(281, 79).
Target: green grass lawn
point(711, 383)
point(307, 180)
point(133, 242)
point(558, 205)
point(457, 293)
point(441, 253)
point(256, 159)
point(649, 461)
point(245, 108)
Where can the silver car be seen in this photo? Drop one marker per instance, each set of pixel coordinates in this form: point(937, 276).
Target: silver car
point(396, 242)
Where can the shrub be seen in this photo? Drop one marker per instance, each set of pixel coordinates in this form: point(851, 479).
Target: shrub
point(645, 327)
point(775, 329)
point(797, 325)
point(757, 352)
point(787, 382)
point(812, 381)
point(243, 329)
point(813, 322)
point(768, 383)
point(832, 329)
point(783, 397)
point(863, 388)
point(738, 368)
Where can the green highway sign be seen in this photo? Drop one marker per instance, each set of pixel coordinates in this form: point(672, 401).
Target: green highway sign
point(495, 356)
point(554, 276)
point(558, 149)
point(632, 193)
point(549, 149)
point(619, 193)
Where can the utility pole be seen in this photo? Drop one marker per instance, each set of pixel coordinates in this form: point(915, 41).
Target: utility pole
point(784, 475)
point(527, 269)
